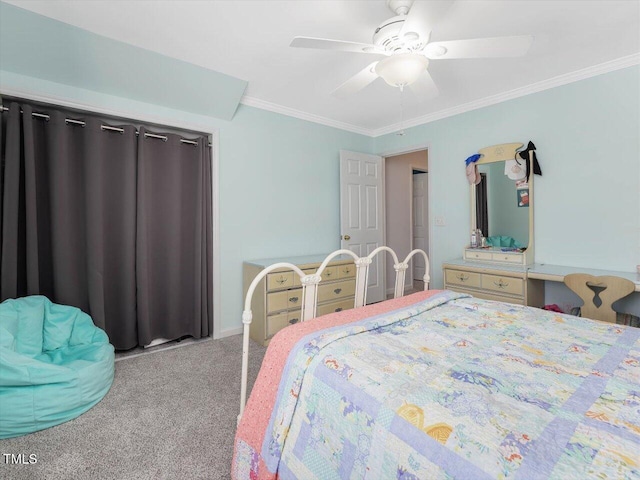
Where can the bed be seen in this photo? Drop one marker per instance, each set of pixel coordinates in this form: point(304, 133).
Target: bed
point(441, 385)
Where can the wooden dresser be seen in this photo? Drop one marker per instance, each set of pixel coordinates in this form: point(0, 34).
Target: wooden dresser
point(277, 300)
point(503, 283)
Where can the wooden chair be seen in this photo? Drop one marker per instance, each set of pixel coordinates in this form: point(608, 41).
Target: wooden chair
point(614, 288)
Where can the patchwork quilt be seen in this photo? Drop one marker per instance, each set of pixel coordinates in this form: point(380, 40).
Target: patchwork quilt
point(439, 385)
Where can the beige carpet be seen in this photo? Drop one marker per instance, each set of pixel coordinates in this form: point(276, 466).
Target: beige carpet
point(169, 415)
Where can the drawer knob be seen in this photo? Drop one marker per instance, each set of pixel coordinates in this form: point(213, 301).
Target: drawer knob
point(337, 291)
point(346, 271)
point(462, 277)
point(293, 320)
point(281, 280)
point(328, 274)
point(501, 284)
point(293, 299)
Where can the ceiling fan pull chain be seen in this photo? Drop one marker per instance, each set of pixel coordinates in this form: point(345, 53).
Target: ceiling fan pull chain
point(401, 132)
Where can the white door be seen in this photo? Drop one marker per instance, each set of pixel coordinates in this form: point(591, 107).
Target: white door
point(420, 223)
point(361, 213)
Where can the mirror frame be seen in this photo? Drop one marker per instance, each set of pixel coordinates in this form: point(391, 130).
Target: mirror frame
point(501, 153)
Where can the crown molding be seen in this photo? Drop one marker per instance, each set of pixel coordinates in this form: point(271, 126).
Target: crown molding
point(606, 67)
point(292, 112)
point(560, 80)
point(553, 82)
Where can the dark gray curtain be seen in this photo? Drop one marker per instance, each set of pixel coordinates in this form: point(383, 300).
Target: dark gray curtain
point(71, 209)
point(482, 212)
point(174, 243)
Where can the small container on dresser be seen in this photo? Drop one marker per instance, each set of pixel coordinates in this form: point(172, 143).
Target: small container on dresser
point(277, 301)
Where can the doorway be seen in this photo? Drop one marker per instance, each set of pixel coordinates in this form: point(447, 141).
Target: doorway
point(406, 214)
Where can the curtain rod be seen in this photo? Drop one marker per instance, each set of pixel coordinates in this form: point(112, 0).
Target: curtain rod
point(164, 138)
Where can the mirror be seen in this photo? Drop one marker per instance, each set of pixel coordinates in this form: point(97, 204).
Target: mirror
point(502, 207)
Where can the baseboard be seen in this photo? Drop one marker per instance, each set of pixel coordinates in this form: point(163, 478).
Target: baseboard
point(160, 347)
point(229, 332)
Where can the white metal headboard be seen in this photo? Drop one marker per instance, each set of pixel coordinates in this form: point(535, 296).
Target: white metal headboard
point(310, 293)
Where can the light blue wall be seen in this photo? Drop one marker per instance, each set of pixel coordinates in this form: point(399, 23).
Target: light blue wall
point(279, 193)
point(587, 203)
point(270, 164)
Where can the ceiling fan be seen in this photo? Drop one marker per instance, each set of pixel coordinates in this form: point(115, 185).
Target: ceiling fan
point(404, 42)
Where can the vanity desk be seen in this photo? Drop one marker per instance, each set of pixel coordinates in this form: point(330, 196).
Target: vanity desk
point(499, 272)
point(513, 283)
point(507, 273)
point(556, 273)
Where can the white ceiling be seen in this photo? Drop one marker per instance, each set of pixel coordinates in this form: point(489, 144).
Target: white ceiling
point(250, 40)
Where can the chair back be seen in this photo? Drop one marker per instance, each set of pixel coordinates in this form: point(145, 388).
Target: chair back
point(614, 288)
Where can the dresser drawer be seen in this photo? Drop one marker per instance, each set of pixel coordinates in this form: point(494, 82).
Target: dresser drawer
point(488, 295)
point(277, 300)
point(498, 298)
point(284, 300)
point(509, 285)
point(275, 323)
point(278, 281)
point(346, 271)
point(329, 273)
point(335, 306)
point(459, 277)
point(344, 288)
point(507, 257)
point(474, 255)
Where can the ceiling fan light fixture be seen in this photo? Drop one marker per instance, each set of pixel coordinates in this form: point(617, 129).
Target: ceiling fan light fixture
point(402, 69)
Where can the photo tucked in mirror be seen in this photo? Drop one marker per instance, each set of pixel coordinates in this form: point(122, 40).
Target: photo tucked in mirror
point(502, 210)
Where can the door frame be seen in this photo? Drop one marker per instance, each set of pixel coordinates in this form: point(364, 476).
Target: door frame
point(421, 170)
point(401, 151)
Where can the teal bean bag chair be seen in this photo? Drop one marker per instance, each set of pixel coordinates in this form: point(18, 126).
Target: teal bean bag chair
point(55, 364)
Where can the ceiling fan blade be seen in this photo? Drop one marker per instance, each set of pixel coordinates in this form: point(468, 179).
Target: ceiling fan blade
point(424, 16)
point(326, 44)
point(424, 88)
point(480, 48)
point(356, 83)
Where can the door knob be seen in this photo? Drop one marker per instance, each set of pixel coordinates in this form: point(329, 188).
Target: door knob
point(347, 237)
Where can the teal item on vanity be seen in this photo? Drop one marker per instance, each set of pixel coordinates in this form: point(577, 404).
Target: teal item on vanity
point(55, 364)
point(503, 241)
